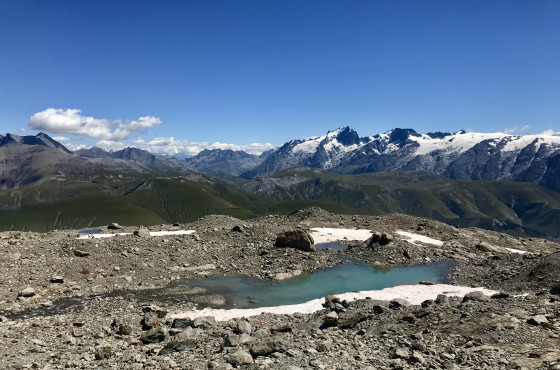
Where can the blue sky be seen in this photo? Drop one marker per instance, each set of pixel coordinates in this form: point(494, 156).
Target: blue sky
point(242, 72)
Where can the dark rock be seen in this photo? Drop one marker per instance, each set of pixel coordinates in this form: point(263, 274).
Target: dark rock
point(80, 253)
point(160, 312)
point(237, 229)
point(155, 335)
point(499, 296)
point(351, 319)
point(114, 226)
point(150, 321)
point(57, 280)
point(103, 352)
point(537, 320)
point(182, 323)
point(297, 239)
point(377, 309)
point(442, 300)
point(379, 238)
point(399, 303)
point(555, 289)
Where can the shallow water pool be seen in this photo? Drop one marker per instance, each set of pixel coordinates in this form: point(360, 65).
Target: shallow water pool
point(246, 292)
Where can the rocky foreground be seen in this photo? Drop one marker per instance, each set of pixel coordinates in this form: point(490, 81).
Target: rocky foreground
point(110, 303)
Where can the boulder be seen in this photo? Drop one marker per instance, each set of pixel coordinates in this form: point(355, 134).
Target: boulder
point(239, 357)
point(155, 335)
point(379, 239)
point(266, 347)
point(114, 226)
point(475, 296)
point(297, 239)
point(80, 253)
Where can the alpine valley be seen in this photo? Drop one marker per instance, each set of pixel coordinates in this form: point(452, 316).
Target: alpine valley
point(45, 186)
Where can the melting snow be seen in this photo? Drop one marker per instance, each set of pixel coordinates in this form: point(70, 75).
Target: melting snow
point(328, 235)
point(415, 294)
point(415, 238)
point(152, 233)
point(518, 251)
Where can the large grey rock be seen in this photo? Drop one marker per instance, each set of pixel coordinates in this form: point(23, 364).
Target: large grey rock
point(297, 239)
point(267, 346)
point(239, 357)
point(379, 239)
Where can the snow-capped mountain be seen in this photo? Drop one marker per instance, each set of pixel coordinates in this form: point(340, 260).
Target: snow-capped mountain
point(462, 155)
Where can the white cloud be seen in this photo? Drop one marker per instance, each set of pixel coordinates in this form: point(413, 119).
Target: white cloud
point(109, 145)
point(60, 138)
point(551, 133)
point(170, 146)
point(73, 147)
point(70, 121)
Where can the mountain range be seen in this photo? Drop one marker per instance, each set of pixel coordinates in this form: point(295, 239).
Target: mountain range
point(43, 185)
point(459, 155)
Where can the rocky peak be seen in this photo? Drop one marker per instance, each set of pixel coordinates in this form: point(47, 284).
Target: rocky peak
point(399, 136)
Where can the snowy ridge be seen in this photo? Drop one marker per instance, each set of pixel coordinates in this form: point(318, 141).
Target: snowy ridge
point(460, 155)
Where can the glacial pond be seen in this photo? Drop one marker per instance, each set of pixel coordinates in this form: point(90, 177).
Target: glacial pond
point(246, 292)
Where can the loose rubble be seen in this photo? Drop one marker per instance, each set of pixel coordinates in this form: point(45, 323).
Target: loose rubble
point(112, 302)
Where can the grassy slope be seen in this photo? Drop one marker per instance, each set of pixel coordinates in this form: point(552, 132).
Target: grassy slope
point(514, 207)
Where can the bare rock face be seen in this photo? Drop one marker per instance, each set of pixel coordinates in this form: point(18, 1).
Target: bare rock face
point(297, 239)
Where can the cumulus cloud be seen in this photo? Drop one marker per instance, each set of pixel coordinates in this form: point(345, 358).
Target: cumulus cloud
point(170, 146)
point(551, 133)
point(60, 138)
point(70, 121)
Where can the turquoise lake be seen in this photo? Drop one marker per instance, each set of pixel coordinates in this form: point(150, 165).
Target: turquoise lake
point(246, 292)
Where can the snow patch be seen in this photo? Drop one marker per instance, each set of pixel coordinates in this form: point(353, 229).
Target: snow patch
point(152, 233)
point(415, 294)
point(415, 238)
point(518, 251)
point(328, 235)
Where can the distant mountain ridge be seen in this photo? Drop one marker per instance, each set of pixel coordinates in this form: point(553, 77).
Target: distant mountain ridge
point(39, 139)
point(459, 155)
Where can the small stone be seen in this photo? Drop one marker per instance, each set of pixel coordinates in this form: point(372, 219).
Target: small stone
point(244, 327)
point(27, 292)
point(399, 303)
point(331, 319)
point(103, 352)
point(416, 358)
point(324, 346)
point(537, 320)
point(155, 335)
point(150, 321)
point(204, 322)
point(57, 279)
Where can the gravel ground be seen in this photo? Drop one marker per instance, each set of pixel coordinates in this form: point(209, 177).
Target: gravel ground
point(103, 303)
